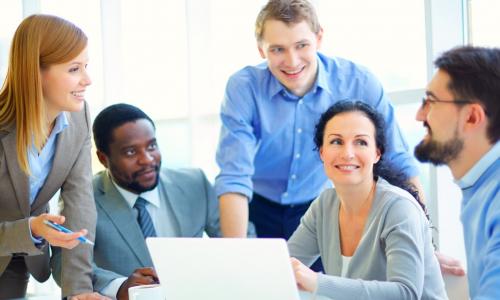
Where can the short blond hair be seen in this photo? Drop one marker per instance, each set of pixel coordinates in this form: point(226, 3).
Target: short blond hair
point(287, 11)
point(39, 42)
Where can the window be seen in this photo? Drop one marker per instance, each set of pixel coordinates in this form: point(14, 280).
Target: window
point(222, 41)
point(85, 14)
point(229, 48)
point(388, 37)
point(414, 131)
point(11, 16)
point(153, 57)
point(484, 22)
point(182, 54)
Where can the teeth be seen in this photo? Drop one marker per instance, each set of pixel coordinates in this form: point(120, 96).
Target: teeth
point(293, 72)
point(78, 94)
point(347, 167)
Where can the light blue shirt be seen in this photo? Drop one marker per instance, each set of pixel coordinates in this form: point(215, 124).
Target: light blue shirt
point(480, 216)
point(266, 141)
point(41, 164)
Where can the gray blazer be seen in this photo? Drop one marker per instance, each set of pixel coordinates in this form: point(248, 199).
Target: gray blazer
point(394, 258)
point(71, 172)
point(120, 247)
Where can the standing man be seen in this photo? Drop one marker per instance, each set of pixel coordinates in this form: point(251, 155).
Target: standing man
point(461, 112)
point(266, 150)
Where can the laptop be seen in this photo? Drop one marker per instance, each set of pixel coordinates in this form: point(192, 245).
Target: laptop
point(223, 269)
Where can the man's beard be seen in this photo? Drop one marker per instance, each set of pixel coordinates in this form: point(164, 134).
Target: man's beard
point(439, 153)
point(134, 185)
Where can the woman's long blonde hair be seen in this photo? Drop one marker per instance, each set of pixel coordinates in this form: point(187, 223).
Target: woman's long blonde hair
point(39, 42)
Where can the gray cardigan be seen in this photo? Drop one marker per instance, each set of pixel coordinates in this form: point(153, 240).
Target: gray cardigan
point(394, 259)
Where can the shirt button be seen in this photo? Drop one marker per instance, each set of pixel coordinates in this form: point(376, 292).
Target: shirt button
point(297, 156)
point(299, 130)
point(301, 101)
point(285, 194)
point(294, 177)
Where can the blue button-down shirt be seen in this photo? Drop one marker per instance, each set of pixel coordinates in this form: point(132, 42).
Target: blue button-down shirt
point(480, 216)
point(266, 142)
point(41, 164)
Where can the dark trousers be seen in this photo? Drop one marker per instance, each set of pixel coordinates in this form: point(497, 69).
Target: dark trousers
point(14, 280)
point(273, 220)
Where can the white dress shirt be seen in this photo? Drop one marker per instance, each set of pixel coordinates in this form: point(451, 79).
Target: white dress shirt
point(161, 214)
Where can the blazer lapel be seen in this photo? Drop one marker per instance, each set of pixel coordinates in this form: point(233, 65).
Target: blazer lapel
point(123, 218)
point(64, 156)
point(19, 178)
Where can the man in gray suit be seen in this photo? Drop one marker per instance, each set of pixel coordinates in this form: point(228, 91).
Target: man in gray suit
point(135, 198)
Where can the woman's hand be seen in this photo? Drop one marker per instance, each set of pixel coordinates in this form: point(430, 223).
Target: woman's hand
point(306, 278)
point(54, 237)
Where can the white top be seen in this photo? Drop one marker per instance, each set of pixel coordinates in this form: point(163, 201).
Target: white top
point(345, 265)
point(157, 207)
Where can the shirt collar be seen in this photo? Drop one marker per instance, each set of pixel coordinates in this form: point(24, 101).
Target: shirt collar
point(470, 178)
point(322, 79)
point(61, 123)
point(152, 196)
point(275, 86)
point(321, 82)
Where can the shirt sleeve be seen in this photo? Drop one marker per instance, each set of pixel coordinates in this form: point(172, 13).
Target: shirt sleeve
point(36, 240)
point(80, 212)
point(397, 151)
point(303, 244)
point(237, 144)
point(403, 236)
point(490, 275)
point(112, 288)
point(18, 235)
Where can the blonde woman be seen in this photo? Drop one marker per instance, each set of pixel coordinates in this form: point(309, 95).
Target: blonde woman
point(45, 147)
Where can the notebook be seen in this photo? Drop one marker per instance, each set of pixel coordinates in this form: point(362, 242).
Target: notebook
point(223, 269)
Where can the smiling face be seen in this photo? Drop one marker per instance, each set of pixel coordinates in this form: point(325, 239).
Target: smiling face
point(349, 149)
point(442, 143)
point(134, 158)
point(290, 50)
point(63, 85)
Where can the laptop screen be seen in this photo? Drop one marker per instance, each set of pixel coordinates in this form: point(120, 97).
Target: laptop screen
point(223, 269)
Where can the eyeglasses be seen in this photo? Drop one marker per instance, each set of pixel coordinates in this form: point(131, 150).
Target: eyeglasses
point(426, 100)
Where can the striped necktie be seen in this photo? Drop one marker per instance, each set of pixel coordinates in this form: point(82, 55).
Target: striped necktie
point(144, 219)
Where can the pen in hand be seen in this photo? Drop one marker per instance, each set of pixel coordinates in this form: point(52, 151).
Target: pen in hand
point(61, 228)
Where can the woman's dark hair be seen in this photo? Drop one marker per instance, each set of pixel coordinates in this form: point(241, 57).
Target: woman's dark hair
point(382, 168)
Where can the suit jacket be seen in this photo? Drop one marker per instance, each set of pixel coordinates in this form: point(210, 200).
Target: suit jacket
point(120, 247)
point(71, 173)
